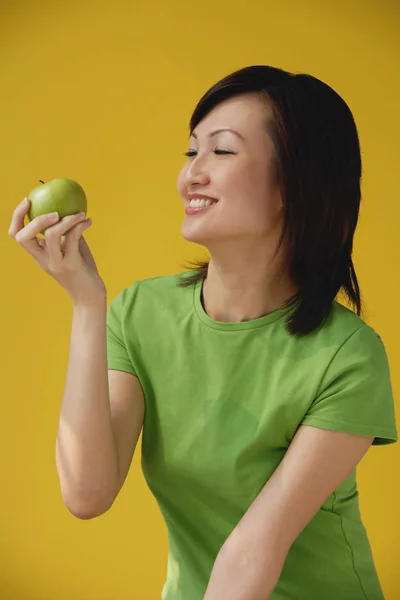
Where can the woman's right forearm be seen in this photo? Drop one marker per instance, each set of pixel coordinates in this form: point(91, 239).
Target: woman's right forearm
point(86, 454)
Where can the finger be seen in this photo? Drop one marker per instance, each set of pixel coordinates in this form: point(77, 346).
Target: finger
point(17, 221)
point(74, 237)
point(26, 236)
point(53, 235)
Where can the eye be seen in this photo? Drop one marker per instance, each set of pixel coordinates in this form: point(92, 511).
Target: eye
point(222, 151)
point(217, 151)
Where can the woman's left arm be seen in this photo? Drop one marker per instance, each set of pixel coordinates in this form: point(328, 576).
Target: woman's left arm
point(251, 560)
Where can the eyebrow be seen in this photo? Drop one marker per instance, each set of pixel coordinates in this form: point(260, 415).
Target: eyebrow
point(219, 131)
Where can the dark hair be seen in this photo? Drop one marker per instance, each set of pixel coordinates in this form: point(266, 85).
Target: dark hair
point(318, 169)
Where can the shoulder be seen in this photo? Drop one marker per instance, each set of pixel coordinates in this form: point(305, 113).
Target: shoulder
point(344, 326)
point(153, 292)
point(343, 320)
point(357, 361)
point(344, 344)
point(166, 285)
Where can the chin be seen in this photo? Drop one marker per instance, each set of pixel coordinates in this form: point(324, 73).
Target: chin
point(192, 233)
point(191, 236)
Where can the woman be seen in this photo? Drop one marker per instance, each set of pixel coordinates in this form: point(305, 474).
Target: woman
point(258, 393)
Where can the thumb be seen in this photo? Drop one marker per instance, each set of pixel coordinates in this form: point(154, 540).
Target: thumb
point(72, 238)
point(86, 253)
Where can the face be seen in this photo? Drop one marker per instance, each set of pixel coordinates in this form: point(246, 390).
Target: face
point(236, 170)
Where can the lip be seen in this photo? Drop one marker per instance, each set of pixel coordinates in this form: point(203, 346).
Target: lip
point(195, 196)
point(190, 210)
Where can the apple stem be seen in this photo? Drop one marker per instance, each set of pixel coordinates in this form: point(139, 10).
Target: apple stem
point(41, 181)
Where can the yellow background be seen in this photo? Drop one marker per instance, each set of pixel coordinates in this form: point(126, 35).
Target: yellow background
point(102, 92)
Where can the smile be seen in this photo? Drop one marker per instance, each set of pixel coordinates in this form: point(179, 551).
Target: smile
point(193, 210)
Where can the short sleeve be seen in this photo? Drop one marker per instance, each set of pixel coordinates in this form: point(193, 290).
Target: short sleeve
point(355, 395)
point(117, 354)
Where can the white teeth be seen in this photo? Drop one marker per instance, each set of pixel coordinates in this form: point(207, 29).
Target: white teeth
point(197, 203)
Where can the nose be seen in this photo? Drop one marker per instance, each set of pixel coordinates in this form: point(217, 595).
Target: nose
point(196, 173)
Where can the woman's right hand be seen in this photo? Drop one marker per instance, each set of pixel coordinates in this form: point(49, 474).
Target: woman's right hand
point(69, 260)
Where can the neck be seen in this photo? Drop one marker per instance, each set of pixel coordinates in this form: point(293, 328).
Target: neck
point(244, 291)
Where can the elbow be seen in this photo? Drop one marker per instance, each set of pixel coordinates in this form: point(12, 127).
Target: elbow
point(87, 509)
point(86, 513)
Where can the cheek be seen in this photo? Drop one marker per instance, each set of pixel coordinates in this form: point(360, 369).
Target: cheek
point(235, 175)
point(254, 194)
point(246, 176)
point(246, 183)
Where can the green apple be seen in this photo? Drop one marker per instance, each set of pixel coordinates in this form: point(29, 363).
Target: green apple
point(64, 196)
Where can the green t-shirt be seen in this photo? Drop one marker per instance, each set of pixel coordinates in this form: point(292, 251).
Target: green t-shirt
point(223, 402)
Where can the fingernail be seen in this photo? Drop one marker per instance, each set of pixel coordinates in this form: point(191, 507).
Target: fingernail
point(53, 216)
point(24, 202)
point(82, 214)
